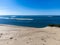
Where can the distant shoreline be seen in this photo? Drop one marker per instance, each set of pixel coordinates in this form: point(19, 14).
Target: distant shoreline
point(29, 27)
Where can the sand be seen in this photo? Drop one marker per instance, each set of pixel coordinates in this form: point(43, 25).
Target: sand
point(17, 35)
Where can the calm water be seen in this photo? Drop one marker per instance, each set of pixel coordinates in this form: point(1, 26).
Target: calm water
point(30, 21)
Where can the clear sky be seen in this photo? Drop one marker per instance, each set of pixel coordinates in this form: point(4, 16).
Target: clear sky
point(29, 7)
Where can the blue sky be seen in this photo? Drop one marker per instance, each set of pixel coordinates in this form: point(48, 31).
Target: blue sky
point(29, 7)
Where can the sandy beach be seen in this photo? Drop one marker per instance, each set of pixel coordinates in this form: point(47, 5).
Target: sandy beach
point(17, 35)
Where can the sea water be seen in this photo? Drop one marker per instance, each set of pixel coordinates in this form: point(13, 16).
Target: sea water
point(29, 21)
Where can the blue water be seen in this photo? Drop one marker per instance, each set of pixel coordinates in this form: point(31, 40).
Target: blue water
point(38, 21)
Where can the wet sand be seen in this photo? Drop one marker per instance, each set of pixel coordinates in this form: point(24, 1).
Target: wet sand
point(17, 35)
